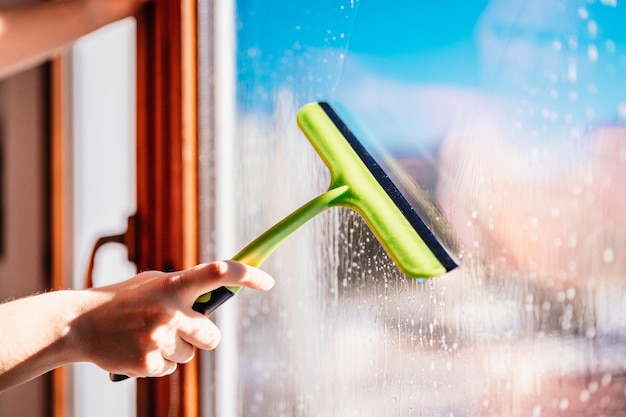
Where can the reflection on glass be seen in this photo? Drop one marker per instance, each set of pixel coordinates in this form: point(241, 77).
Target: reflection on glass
point(506, 117)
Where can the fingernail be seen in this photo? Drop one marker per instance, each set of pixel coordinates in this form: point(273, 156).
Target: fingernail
point(267, 282)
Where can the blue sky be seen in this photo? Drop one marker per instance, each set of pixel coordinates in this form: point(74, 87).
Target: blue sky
point(382, 56)
point(289, 39)
point(414, 40)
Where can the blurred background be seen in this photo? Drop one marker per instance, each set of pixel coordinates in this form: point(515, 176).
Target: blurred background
point(504, 119)
point(501, 120)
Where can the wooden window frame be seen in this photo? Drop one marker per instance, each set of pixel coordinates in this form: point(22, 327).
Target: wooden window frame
point(166, 220)
point(167, 173)
point(60, 163)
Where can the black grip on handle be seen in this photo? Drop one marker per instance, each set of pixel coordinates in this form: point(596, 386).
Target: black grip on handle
point(218, 297)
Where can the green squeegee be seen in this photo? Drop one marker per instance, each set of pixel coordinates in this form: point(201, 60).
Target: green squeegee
point(359, 183)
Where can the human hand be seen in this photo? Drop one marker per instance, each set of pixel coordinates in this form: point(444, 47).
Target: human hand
point(145, 326)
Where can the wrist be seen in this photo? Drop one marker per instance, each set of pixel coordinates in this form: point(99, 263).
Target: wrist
point(82, 325)
point(66, 328)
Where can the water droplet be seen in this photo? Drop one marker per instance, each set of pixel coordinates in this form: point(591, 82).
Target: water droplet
point(571, 265)
point(537, 411)
point(610, 45)
point(584, 396)
point(592, 29)
point(592, 53)
point(621, 109)
point(564, 404)
point(608, 255)
point(572, 71)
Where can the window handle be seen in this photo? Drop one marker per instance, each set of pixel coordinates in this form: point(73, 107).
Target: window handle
point(129, 239)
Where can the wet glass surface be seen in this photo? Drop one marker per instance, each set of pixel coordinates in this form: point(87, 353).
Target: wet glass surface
point(503, 117)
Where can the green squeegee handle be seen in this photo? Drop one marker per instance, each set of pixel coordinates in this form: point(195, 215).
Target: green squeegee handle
point(258, 250)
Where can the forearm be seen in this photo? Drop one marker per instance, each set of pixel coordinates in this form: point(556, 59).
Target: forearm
point(33, 33)
point(35, 335)
point(143, 326)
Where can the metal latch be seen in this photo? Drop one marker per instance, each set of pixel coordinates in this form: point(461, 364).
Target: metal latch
point(129, 239)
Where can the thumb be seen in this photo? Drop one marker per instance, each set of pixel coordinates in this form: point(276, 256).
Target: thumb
point(207, 277)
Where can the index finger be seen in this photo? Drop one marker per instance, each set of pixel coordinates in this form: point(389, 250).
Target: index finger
point(205, 278)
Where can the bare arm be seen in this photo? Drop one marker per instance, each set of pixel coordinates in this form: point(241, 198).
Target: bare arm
point(33, 33)
point(144, 326)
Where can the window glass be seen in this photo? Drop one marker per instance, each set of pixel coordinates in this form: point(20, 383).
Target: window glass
point(503, 121)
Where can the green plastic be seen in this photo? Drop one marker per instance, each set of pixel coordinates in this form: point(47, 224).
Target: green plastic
point(352, 185)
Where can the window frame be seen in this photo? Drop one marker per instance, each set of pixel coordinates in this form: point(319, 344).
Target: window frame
point(61, 230)
point(167, 173)
point(167, 181)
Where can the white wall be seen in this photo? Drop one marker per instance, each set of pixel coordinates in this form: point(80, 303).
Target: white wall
point(22, 193)
point(104, 184)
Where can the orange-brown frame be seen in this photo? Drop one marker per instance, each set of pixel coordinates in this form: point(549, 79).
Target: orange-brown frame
point(167, 172)
point(60, 211)
point(167, 180)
